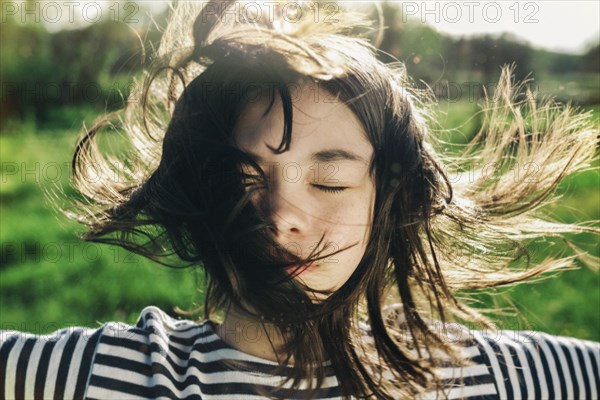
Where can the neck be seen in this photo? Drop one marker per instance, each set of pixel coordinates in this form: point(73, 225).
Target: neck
point(251, 335)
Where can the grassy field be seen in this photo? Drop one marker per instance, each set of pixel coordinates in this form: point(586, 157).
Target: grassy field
point(50, 279)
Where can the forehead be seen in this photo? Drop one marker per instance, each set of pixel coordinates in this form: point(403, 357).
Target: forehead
point(320, 121)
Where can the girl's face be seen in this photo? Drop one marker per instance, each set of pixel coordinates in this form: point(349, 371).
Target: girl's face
point(320, 186)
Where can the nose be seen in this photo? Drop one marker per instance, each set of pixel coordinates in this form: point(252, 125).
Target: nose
point(286, 210)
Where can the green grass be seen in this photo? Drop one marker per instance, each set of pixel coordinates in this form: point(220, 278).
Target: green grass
point(565, 303)
point(50, 279)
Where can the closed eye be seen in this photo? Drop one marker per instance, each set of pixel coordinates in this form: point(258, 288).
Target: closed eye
point(330, 189)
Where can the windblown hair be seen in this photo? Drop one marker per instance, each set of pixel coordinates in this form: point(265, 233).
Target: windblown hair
point(181, 190)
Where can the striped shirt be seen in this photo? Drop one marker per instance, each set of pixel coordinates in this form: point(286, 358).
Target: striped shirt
point(161, 357)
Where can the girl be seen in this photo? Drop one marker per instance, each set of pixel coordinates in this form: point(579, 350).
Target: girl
point(299, 172)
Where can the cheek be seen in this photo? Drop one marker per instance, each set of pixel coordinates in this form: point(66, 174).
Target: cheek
point(349, 217)
point(358, 212)
point(350, 223)
point(354, 208)
point(350, 214)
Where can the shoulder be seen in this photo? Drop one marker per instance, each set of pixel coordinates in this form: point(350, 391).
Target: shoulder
point(73, 362)
point(515, 364)
point(149, 358)
point(164, 357)
point(55, 365)
point(529, 364)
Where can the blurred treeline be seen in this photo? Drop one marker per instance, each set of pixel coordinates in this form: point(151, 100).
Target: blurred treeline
point(89, 68)
point(93, 67)
point(449, 64)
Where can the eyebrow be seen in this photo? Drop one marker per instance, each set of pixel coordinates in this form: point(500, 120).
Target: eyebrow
point(336, 155)
point(323, 156)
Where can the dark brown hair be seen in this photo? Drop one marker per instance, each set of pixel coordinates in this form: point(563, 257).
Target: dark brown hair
point(185, 194)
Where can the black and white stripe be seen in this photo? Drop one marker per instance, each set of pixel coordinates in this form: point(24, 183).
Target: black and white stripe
point(534, 365)
point(50, 366)
point(164, 358)
point(180, 359)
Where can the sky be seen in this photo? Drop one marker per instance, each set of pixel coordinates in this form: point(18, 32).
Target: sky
point(558, 25)
point(566, 26)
